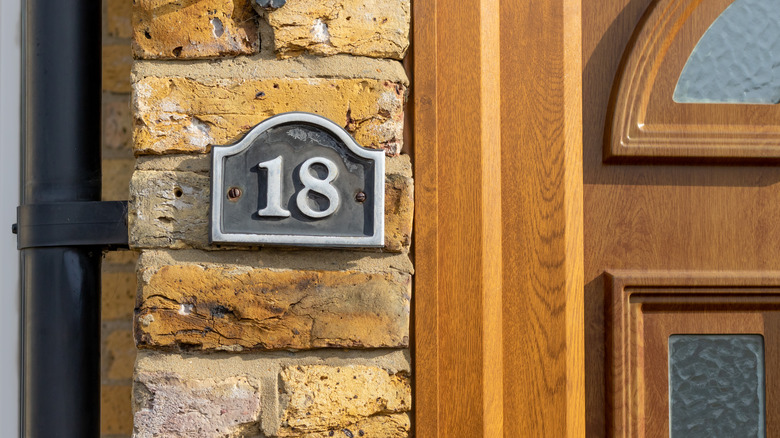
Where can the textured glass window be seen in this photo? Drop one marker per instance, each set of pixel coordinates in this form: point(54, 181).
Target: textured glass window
point(738, 59)
point(716, 386)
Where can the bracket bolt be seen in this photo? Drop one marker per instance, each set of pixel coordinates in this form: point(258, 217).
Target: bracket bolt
point(234, 193)
point(360, 197)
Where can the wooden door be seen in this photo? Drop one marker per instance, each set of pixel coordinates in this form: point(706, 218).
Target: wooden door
point(681, 140)
point(576, 215)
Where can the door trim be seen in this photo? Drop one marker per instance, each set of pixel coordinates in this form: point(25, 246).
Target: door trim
point(498, 338)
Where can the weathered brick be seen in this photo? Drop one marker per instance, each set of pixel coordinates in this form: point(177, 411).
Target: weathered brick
point(120, 355)
point(116, 178)
point(118, 295)
point(116, 416)
point(165, 404)
point(117, 62)
point(120, 257)
point(399, 212)
point(117, 130)
point(194, 29)
point(265, 368)
point(178, 114)
point(379, 426)
point(169, 209)
point(377, 28)
point(268, 66)
point(322, 398)
point(118, 14)
point(205, 306)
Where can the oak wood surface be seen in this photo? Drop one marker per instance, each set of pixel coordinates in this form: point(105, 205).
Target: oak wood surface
point(458, 290)
point(498, 235)
point(646, 307)
point(425, 344)
point(718, 217)
point(647, 124)
point(541, 113)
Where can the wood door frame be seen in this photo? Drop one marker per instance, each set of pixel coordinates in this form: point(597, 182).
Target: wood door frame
point(498, 336)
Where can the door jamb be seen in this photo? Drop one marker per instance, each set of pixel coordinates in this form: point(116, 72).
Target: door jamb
point(498, 218)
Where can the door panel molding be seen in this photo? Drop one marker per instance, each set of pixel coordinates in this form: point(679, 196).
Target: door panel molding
point(644, 122)
point(645, 307)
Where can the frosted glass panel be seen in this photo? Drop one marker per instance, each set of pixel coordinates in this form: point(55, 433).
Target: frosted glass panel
point(738, 59)
point(716, 386)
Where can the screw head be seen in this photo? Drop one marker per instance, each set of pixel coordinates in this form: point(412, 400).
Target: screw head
point(234, 193)
point(360, 196)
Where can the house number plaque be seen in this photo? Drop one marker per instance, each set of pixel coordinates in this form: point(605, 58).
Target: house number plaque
point(298, 179)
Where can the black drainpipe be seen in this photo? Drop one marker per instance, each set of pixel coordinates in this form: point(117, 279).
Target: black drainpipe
point(62, 225)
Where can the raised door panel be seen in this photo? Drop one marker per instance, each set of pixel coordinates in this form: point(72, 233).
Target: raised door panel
point(713, 319)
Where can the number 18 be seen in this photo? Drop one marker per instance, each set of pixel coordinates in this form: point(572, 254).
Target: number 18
point(310, 183)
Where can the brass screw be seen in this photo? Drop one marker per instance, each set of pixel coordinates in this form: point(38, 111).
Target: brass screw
point(234, 193)
point(360, 197)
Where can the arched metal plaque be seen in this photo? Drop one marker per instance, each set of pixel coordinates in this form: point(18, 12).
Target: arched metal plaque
point(298, 179)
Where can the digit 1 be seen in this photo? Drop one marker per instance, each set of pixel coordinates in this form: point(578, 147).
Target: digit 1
point(273, 206)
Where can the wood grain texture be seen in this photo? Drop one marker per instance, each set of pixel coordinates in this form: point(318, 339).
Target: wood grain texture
point(647, 124)
point(541, 112)
point(492, 189)
point(498, 238)
point(719, 217)
point(647, 307)
point(458, 289)
point(460, 221)
point(425, 346)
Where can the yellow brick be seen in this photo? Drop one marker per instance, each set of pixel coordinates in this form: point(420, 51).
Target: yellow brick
point(355, 397)
point(120, 356)
point(117, 62)
point(118, 17)
point(116, 179)
point(238, 307)
point(399, 212)
point(119, 290)
point(116, 416)
point(377, 28)
point(176, 114)
point(121, 257)
point(194, 29)
point(117, 130)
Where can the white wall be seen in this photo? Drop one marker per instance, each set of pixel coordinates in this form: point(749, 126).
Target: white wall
point(10, 59)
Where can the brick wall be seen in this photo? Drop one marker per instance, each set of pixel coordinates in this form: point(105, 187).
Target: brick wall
point(264, 341)
point(119, 279)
